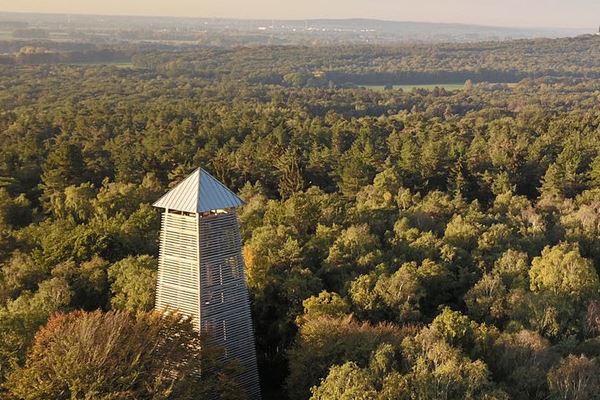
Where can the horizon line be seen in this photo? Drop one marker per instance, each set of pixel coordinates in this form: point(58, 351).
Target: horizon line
point(299, 19)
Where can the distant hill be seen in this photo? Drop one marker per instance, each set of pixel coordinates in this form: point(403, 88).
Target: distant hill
point(239, 31)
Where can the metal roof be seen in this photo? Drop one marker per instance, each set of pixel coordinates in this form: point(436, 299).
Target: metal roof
point(199, 192)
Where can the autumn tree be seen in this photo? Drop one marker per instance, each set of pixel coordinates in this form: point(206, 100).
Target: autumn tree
point(575, 378)
point(117, 355)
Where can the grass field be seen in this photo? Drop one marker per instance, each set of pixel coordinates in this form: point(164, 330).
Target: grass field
point(447, 86)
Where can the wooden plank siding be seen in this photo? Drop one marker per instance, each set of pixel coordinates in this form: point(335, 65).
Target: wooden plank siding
point(178, 286)
point(201, 274)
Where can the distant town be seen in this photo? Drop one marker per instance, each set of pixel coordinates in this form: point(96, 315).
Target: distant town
point(223, 32)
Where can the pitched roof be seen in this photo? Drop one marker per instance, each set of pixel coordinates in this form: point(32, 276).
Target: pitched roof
point(199, 192)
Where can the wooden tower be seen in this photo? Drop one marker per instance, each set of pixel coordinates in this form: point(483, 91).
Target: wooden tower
point(201, 269)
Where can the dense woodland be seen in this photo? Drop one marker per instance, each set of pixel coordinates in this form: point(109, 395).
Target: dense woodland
point(399, 244)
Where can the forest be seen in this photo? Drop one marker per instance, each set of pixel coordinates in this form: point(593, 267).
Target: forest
point(423, 244)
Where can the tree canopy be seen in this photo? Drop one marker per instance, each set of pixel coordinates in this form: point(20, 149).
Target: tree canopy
point(399, 243)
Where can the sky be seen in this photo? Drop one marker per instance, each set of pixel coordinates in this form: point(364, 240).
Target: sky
point(518, 13)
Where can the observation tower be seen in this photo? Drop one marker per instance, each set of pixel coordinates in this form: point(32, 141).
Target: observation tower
point(201, 269)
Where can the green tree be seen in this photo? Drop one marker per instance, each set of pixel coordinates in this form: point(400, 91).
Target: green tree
point(132, 283)
point(20, 273)
point(401, 293)
point(594, 173)
point(324, 342)
point(88, 282)
point(355, 250)
point(21, 318)
point(14, 212)
point(325, 304)
point(76, 204)
point(562, 271)
point(63, 167)
point(486, 301)
point(345, 382)
point(439, 370)
point(358, 168)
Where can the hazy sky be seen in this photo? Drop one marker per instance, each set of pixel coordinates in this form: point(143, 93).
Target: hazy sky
point(547, 13)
